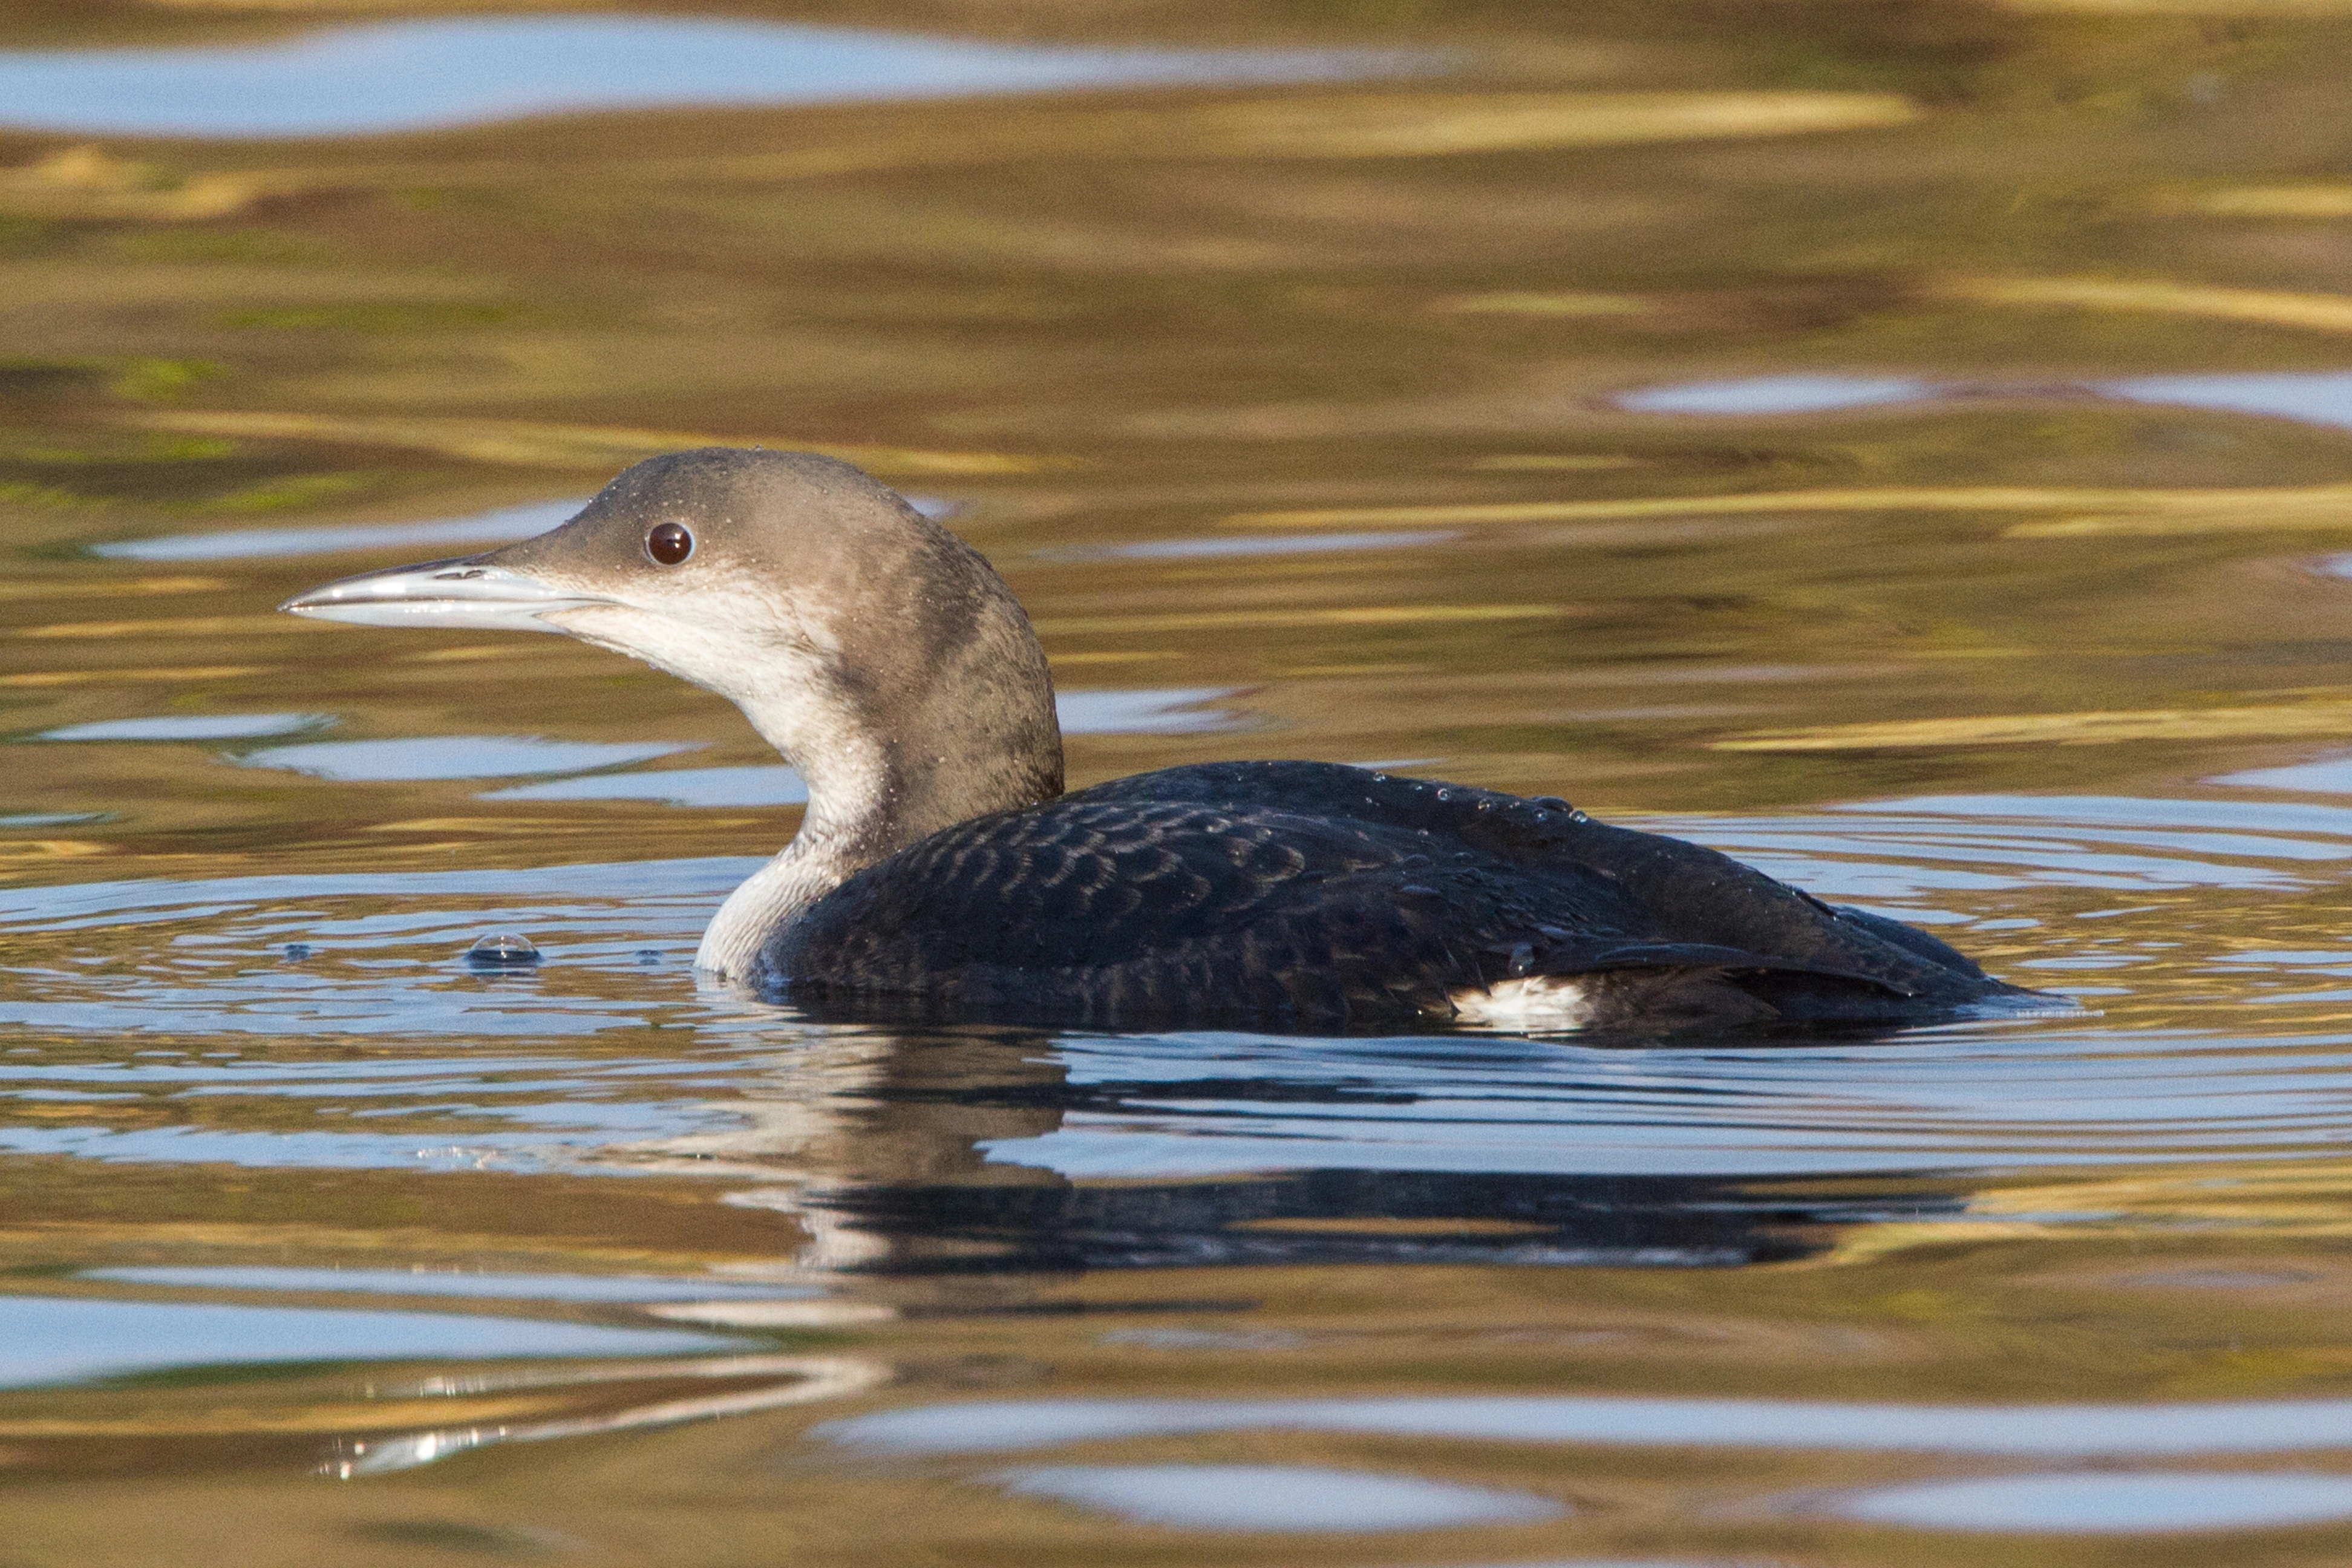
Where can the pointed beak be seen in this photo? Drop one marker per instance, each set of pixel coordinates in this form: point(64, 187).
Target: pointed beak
point(467, 592)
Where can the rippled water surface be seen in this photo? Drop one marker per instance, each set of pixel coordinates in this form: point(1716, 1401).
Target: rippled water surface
point(418, 73)
point(1908, 448)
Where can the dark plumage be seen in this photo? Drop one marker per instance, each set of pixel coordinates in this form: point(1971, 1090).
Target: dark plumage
point(1316, 896)
point(939, 870)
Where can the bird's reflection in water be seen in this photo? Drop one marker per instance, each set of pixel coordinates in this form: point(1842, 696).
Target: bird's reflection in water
point(915, 1154)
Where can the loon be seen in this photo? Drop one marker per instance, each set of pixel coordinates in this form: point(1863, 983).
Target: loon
point(942, 871)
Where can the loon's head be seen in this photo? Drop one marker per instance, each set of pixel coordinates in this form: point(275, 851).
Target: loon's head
point(882, 655)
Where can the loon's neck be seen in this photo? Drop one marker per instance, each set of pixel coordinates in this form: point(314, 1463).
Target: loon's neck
point(772, 898)
point(899, 749)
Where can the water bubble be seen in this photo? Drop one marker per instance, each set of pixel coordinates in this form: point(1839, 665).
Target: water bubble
point(503, 951)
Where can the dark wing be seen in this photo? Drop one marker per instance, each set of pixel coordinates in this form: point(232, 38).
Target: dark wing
point(1297, 894)
point(1677, 901)
point(1136, 911)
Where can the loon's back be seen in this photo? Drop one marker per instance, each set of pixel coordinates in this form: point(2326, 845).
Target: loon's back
point(1308, 895)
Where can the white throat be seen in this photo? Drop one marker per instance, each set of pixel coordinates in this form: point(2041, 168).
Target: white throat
point(774, 897)
point(850, 823)
point(791, 696)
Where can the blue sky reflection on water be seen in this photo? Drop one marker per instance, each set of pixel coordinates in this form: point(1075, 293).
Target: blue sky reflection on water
point(2321, 776)
point(1275, 1497)
point(2313, 398)
point(1187, 1106)
point(1953, 1100)
point(1179, 711)
point(2048, 1430)
point(51, 1338)
point(1777, 395)
point(2310, 397)
point(1176, 711)
point(761, 783)
point(500, 525)
point(456, 757)
point(192, 727)
point(414, 75)
point(445, 1282)
point(2107, 1504)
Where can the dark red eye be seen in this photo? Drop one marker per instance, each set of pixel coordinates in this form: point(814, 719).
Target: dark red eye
point(669, 542)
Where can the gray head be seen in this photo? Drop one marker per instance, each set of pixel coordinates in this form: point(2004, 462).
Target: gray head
point(882, 655)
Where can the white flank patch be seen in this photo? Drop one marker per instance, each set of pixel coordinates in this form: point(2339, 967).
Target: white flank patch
point(1540, 1003)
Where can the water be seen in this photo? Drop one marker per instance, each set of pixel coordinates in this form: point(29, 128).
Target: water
point(763, 784)
point(500, 525)
point(428, 1282)
point(410, 75)
point(2324, 775)
point(1284, 1498)
point(2007, 1431)
point(192, 727)
point(2110, 1505)
point(1776, 394)
point(2313, 398)
point(1911, 457)
point(65, 1340)
point(452, 757)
